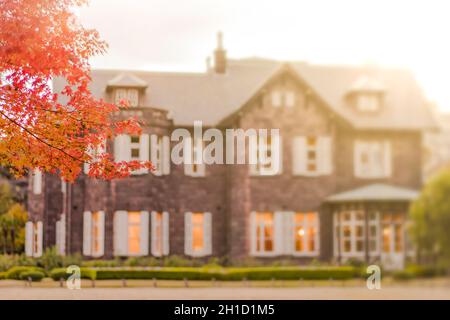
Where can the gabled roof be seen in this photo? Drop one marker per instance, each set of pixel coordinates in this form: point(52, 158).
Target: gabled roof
point(375, 192)
point(212, 97)
point(126, 80)
point(366, 84)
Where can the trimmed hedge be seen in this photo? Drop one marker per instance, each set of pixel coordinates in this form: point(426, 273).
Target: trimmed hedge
point(58, 273)
point(226, 274)
point(35, 276)
point(15, 272)
point(2, 275)
point(415, 271)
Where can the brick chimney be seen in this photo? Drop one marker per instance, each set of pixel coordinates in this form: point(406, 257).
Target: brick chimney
point(220, 56)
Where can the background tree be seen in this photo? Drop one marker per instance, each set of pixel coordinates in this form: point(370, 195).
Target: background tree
point(431, 217)
point(12, 221)
point(53, 131)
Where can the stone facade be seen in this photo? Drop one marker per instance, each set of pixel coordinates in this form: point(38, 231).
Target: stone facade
point(229, 192)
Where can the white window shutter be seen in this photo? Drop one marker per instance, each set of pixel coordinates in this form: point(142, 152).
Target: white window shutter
point(144, 152)
point(166, 155)
point(188, 153)
point(155, 155)
point(62, 241)
point(87, 233)
point(121, 233)
point(325, 156)
point(188, 233)
point(29, 238)
point(58, 236)
point(153, 234)
point(290, 99)
point(279, 233)
point(253, 238)
point(288, 230)
point(166, 233)
point(207, 224)
point(40, 237)
point(101, 234)
point(37, 181)
point(299, 158)
point(122, 148)
point(357, 165)
point(276, 98)
point(144, 233)
point(387, 159)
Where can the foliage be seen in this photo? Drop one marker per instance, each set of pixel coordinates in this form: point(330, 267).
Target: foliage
point(416, 271)
point(54, 131)
point(35, 276)
point(2, 275)
point(224, 274)
point(15, 272)
point(431, 219)
point(50, 259)
point(12, 222)
point(61, 273)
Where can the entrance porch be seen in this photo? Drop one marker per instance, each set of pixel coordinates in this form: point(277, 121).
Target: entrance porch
point(370, 224)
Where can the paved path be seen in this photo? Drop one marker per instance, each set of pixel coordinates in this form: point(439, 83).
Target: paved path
point(225, 293)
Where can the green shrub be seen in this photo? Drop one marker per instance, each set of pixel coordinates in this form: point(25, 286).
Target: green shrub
point(60, 273)
point(177, 261)
point(142, 262)
point(50, 259)
point(2, 275)
point(416, 271)
point(9, 261)
point(35, 276)
point(15, 272)
point(224, 274)
point(101, 263)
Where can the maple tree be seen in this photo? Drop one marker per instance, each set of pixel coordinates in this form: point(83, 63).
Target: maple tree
point(40, 40)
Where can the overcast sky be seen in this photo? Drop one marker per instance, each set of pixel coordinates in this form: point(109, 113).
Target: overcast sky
point(179, 34)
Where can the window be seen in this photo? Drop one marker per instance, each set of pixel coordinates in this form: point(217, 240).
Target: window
point(61, 235)
point(131, 236)
point(37, 181)
point(306, 233)
point(93, 233)
point(198, 234)
point(197, 167)
point(160, 233)
point(160, 154)
point(312, 155)
point(284, 233)
point(134, 232)
point(350, 233)
point(367, 102)
point(393, 234)
point(283, 98)
point(127, 148)
point(268, 152)
point(33, 238)
point(129, 95)
point(372, 159)
point(265, 232)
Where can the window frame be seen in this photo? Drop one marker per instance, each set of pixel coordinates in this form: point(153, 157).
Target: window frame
point(306, 226)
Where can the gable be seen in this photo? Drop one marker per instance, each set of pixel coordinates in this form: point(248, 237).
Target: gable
point(213, 98)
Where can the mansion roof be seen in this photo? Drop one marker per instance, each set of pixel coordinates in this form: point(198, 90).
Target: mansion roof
point(212, 97)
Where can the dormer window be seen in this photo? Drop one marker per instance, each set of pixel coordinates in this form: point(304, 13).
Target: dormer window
point(366, 94)
point(283, 98)
point(131, 95)
point(128, 87)
point(368, 102)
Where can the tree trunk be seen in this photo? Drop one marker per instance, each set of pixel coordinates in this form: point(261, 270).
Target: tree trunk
point(13, 240)
point(5, 240)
